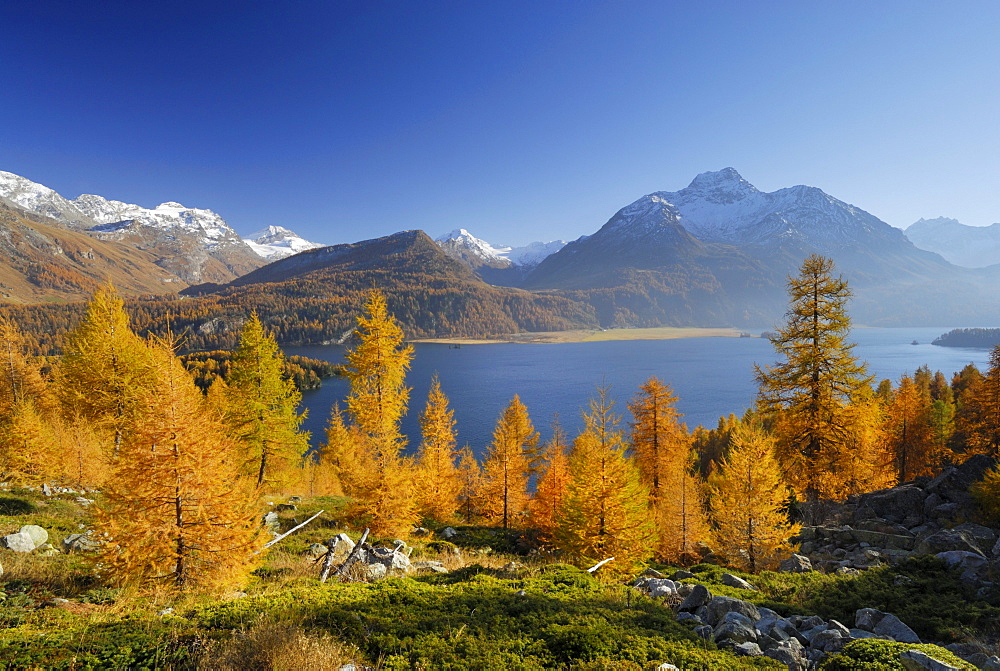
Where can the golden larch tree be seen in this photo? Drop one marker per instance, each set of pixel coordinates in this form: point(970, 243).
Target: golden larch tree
point(437, 479)
point(552, 487)
point(177, 511)
point(20, 374)
point(262, 408)
point(376, 368)
point(605, 513)
point(106, 370)
point(28, 423)
point(908, 430)
point(503, 492)
point(470, 475)
point(982, 411)
point(868, 462)
point(659, 440)
point(751, 530)
point(341, 453)
point(682, 526)
point(807, 393)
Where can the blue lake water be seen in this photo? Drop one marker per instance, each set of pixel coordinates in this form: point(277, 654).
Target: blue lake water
point(711, 376)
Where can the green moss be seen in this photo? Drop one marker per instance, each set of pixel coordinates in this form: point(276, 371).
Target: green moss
point(558, 616)
point(878, 655)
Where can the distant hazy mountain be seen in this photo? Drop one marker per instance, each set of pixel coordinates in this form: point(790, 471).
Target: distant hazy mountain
point(719, 251)
point(197, 245)
point(968, 246)
point(277, 242)
point(497, 264)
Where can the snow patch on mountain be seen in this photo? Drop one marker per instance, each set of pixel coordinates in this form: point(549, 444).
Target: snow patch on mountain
point(277, 242)
point(206, 225)
point(42, 200)
point(722, 207)
point(461, 244)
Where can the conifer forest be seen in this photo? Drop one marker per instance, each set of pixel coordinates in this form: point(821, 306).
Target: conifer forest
point(166, 483)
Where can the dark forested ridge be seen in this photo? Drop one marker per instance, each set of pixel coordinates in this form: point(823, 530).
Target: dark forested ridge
point(313, 297)
point(974, 337)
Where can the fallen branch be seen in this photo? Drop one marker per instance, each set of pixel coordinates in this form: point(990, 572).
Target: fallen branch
point(289, 532)
point(331, 549)
point(353, 556)
point(599, 564)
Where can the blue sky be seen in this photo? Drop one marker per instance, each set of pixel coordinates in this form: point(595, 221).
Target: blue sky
point(519, 121)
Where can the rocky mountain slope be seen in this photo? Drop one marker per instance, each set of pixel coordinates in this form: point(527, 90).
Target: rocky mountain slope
point(196, 245)
point(968, 246)
point(43, 261)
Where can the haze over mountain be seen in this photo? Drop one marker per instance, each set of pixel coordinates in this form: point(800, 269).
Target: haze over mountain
point(968, 246)
point(719, 251)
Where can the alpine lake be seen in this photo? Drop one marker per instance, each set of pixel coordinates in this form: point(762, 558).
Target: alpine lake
point(712, 376)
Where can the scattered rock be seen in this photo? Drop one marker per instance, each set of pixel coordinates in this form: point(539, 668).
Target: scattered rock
point(719, 606)
point(892, 627)
point(948, 540)
point(892, 505)
point(271, 522)
point(915, 660)
point(433, 566)
point(698, 597)
point(448, 533)
point(735, 628)
point(704, 631)
point(285, 507)
point(735, 581)
point(19, 542)
point(747, 649)
point(681, 574)
point(796, 564)
point(661, 587)
point(39, 535)
point(83, 542)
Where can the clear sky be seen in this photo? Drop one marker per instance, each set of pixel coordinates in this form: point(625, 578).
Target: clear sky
point(519, 121)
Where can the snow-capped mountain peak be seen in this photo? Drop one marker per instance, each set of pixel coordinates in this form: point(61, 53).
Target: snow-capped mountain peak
point(464, 246)
point(722, 186)
point(40, 199)
point(206, 224)
point(277, 242)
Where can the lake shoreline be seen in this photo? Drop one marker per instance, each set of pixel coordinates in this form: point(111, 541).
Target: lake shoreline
point(591, 335)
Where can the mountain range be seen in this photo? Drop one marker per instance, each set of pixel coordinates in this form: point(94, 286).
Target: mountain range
point(717, 252)
point(195, 245)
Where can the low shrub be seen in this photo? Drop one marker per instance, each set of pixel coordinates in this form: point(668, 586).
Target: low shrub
point(11, 506)
point(878, 655)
